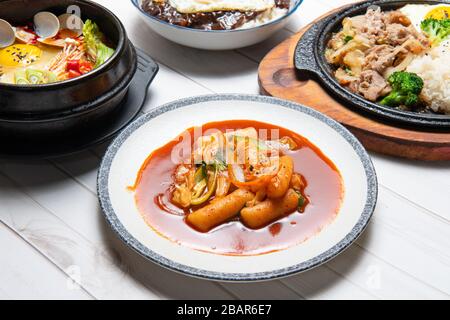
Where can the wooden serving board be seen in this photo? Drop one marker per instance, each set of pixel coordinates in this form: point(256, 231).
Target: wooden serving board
point(279, 78)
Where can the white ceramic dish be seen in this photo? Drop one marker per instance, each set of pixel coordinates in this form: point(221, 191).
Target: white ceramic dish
point(216, 40)
point(130, 149)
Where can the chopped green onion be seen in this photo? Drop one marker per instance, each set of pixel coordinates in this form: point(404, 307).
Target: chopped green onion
point(20, 77)
point(347, 39)
point(200, 174)
point(34, 76)
point(212, 185)
point(301, 200)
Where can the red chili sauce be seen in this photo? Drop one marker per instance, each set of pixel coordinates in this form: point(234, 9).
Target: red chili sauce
point(324, 191)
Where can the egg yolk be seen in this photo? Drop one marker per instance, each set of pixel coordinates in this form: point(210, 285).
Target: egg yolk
point(19, 55)
point(439, 13)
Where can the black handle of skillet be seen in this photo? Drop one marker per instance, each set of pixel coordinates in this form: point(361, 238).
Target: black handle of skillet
point(305, 59)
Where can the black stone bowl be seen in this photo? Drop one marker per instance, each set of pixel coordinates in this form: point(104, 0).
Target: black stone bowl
point(310, 56)
point(39, 112)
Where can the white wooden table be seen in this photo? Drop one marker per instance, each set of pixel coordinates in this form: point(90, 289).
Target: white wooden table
point(54, 242)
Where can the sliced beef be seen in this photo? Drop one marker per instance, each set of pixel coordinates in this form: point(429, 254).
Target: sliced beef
point(375, 27)
point(372, 85)
point(379, 58)
point(397, 34)
point(397, 17)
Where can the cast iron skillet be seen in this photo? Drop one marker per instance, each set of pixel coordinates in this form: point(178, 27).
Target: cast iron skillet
point(310, 56)
point(105, 84)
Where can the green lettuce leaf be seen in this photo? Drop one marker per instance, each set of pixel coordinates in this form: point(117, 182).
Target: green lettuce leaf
point(99, 51)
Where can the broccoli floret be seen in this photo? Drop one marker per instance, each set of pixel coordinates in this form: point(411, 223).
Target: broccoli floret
point(436, 30)
point(406, 88)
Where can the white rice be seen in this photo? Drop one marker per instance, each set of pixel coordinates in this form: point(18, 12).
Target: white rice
point(266, 17)
point(434, 69)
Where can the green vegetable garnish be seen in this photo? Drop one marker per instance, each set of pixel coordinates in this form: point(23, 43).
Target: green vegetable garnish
point(203, 181)
point(301, 200)
point(51, 77)
point(20, 77)
point(211, 184)
point(406, 88)
point(347, 39)
point(436, 30)
point(34, 76)
point(348, 70)
point(40, 76)
point(200, 173)
point(94, 44)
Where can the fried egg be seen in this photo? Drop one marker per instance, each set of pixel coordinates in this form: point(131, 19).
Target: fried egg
point(19, 55)
point(195, 6)
point(419, 12)
point(38, 55)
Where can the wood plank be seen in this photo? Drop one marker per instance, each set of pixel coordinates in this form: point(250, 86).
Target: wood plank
point(258, 51)
point(307, 12)
point(67, 249)
point(4, 295)
point(427, 231)
point(398, 244)
point(325, 283)
point(426, 185)
point(381, 279)
point(80, 218)
point(170, 85)
point(272, 290)
point(26, 274)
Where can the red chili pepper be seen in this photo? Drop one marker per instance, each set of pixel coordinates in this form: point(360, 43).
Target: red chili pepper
point(74, 74)
point(73, 65)
point(85, 67)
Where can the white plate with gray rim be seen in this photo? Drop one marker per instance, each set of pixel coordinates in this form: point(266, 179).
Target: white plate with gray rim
point(130, 149)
